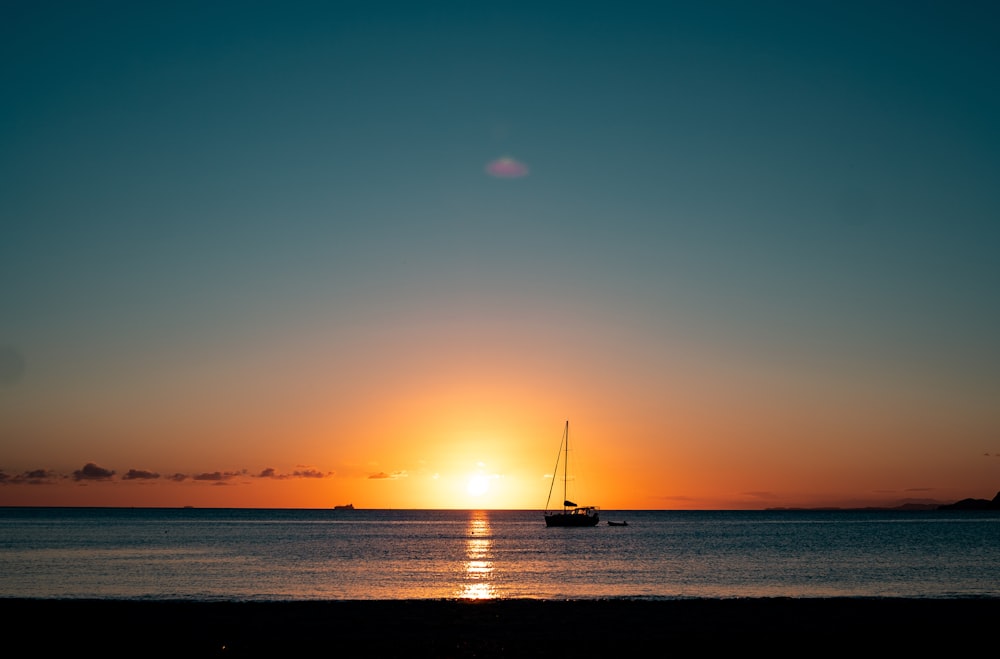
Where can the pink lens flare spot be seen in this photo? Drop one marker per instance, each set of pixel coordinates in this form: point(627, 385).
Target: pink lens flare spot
point(506, 168)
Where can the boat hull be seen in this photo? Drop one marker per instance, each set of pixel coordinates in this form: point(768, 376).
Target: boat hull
point(581, 518)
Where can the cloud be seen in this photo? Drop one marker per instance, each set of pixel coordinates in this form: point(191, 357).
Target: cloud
point(310, 473)
point(140, 474)
point(217, 476)
point(384, 476)
point(92, 472)
point(33, 477)
point(298, 473)
point(506, 168)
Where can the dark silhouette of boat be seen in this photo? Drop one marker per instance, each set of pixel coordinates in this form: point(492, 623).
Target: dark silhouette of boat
point(617, 523)
point(346, 506)
point(571, 514)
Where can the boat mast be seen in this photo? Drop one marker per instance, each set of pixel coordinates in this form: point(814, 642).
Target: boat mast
point(565, 464)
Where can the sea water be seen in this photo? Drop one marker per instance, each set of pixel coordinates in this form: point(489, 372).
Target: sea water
point(240, 554)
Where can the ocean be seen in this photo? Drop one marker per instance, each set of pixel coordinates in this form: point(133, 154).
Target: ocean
point(286, 555)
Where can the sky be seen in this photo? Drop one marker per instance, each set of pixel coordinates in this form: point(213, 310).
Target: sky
point(302, 254)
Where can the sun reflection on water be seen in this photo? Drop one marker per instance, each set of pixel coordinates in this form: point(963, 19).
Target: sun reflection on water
point(478, 576)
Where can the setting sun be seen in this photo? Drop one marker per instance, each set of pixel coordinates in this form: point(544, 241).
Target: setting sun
point(478, 484)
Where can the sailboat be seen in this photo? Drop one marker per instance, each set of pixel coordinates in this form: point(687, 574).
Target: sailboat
point(571, 514)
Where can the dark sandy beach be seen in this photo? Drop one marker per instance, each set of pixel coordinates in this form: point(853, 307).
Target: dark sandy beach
point(498, 628)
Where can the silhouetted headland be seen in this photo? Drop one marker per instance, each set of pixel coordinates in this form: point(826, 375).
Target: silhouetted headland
point(964, 504)
point(974, 504)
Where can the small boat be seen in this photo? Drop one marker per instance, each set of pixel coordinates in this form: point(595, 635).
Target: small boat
point(571, 514)
point(346, 506)
point(610, 523)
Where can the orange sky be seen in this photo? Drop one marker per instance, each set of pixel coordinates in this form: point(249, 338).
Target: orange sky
point(409, 435)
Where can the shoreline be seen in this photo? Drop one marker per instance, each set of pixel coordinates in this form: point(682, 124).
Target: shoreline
point(495, 628)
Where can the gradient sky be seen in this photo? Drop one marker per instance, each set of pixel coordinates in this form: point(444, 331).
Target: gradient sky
point(298, 254)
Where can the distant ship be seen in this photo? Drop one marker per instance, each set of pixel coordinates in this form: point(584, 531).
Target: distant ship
point(348, 506)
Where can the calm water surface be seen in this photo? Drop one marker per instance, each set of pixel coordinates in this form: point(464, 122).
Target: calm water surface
point(235, 554)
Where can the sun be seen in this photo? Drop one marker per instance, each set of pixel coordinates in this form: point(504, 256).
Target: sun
point(478, 484)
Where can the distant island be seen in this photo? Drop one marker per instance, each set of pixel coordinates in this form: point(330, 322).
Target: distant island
point(964, 504)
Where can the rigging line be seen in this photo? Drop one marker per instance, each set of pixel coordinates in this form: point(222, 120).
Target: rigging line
point(565, 442)
point(555, 471)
